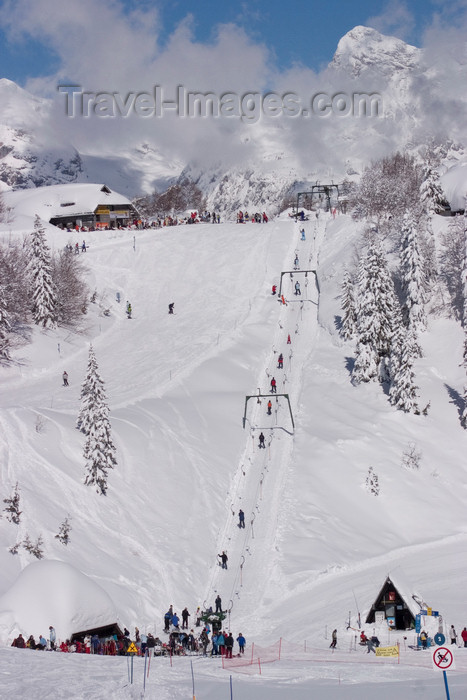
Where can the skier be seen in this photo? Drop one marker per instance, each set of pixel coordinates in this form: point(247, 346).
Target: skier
point(241, 518)
point(274, 288)
point(288, 339)
point(280, 362)
point(224, 559)
point(302, 234)
point(128, 309)
point(273, 386)
point(65, 378)
point(241, 643)
point(185, 616)
point(269, 407)
point(297, 288)
point(261, 441)
point(171, 307)
point(334, 640)
point(168, 619)
point(218, 603)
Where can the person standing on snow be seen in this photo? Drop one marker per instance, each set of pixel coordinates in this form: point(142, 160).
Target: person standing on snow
point(261, 441)
point(296, 263)
point(224, 558)
point(453, 635)
point(52, 637)
point(280, 361)
point(274, 289)
point(297, 288)
point(269, 407)
point(128, 309)
point(241, 518)
point(218, 603)
point(302, 234)
point(334, 640)
point(273, 386)
point(171, 307)
point(241, 643)
point(65, 378)
point(185, 616)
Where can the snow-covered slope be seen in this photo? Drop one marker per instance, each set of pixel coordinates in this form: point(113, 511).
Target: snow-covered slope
point(317, 545)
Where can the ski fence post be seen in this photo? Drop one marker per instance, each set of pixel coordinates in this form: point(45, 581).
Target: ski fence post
point(280, 647)
point(193, 680)
point(231, 691)
point(252, 652)
point(131, 665)
point(144, 674)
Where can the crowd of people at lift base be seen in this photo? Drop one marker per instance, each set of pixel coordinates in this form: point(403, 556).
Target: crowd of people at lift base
point(212, 640)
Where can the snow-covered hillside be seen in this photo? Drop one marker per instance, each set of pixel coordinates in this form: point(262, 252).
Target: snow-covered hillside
point(317, 546)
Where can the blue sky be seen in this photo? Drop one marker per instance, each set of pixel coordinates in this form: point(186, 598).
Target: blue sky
point(294, 32)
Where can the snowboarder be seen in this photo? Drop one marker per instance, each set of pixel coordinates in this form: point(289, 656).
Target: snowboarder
point(288, 339)
point(280, 362)
point(65, 378)
point(128, 309)
point(269, 407)
point(261, 441)
point(218, 603)
point(171, 307)
point(302, 234)
point(273, 386)
point(297, 288)
point(334, 640)
point(241, 518)
point(224, 559)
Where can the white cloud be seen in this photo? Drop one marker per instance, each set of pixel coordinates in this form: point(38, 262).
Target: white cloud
point(396, 20)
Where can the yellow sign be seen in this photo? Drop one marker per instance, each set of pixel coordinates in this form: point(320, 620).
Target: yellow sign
point(387, 651)
point(132, 649)
point(102, 210)
point(429, 611)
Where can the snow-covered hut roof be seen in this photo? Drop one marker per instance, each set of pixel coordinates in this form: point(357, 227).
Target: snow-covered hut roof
point(51, 592)
point(411, 598)
point(63, 200)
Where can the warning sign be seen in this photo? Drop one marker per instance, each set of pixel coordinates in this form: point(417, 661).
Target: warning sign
point(387, 651)
point(443, 659)
point(132, 649)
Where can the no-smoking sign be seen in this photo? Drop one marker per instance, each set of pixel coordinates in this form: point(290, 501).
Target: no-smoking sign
point(443, 659)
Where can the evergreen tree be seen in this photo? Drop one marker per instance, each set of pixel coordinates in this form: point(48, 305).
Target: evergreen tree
point(63, 535)
point(432, 196)
point(93, 420)
point(349, 319)
point(43, 291)
point(413, 278)
point(451, 257)
point(5, 325)
point(464, 277)
point(375, 302)
point(13, 513)
point(403, 391)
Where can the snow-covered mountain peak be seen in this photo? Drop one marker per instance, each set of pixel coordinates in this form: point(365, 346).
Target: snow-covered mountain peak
point(365, 49)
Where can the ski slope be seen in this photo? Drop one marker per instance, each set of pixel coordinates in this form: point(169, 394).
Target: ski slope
point(316, 547)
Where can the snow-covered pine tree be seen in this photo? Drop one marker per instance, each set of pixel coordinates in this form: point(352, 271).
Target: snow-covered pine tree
point(432, 196)
point(374, 306)
point(5, 325)
point(43, 291)
point(93, 420)
point(92, 395)
point(464, 278)
point(412, 278)
point(13, 513)
point(349, 319)
point(403, 391)
point(63, 535)
point(452, 254)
